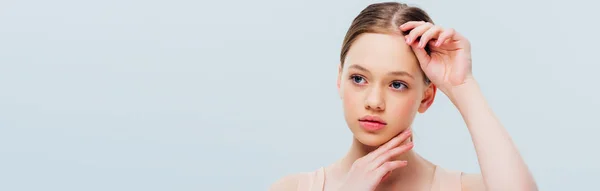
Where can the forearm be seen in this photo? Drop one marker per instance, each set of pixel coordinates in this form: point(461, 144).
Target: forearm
point(502, 167)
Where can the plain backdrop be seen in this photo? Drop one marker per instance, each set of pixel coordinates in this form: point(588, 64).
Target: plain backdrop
point(232, 95)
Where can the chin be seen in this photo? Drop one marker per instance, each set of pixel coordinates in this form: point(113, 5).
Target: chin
point(372, 140)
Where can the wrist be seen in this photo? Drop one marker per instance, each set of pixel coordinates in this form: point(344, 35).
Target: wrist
point(466, 91)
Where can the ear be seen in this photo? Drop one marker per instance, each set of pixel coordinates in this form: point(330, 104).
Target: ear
point(339, 80)
point(429, 96)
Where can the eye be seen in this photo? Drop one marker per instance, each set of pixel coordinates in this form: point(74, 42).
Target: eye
point(358, 79)
point(398, 85)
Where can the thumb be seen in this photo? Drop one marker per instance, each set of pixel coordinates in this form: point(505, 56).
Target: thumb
point(421, 55)
point(461, 70)
point(458, 76)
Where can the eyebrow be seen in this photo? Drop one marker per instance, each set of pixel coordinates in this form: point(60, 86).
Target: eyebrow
point(394, 73)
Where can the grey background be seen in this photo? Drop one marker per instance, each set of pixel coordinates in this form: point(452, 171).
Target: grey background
point(232, 95)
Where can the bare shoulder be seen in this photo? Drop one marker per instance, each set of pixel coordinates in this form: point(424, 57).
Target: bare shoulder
point(288, 183)
point(472, 182)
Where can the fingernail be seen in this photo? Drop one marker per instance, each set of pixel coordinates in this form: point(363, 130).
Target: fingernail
point(407, 39)
point(421, 44)
point(402, 26)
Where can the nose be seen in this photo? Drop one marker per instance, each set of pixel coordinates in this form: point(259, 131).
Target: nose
point(374, 100)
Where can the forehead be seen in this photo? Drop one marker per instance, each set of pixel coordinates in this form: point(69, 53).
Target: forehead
point(382, 53)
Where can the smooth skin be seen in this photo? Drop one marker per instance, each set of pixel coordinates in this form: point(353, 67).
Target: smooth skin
point(385, 161)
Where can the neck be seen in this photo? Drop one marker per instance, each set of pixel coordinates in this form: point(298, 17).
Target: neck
point(416, 172)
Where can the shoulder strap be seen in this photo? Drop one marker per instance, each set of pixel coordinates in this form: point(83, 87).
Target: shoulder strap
point(313, 181)
point(446, 180)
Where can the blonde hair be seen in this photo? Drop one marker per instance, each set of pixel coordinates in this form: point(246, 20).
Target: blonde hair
point(385, 18)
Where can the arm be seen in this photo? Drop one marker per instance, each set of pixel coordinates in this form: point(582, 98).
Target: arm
point(448, 65)
point(501, 165)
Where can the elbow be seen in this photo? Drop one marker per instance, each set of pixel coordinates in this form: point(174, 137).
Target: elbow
point(522, 183)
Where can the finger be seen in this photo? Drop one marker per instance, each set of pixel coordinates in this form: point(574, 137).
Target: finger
point(433, 32)
point(411, 25)
point(387, 156)
point(448, 45)
point(387, 174)
point(392, 153)
point(421, 55)
point(394, 142)
point(388, 167)
point(445, 36)
point(417, 31)
point(433, 42)
point(457, 36)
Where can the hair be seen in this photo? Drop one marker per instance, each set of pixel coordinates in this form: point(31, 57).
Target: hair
point(384, 18)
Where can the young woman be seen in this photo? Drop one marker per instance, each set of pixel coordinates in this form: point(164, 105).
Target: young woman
point(393, 60)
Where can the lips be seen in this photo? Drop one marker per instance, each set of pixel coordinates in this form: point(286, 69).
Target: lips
point(372, 123)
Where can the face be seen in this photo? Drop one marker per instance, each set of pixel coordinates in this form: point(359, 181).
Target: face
point(382, 87)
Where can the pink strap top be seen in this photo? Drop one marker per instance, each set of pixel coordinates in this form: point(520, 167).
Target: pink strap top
point(443, 180)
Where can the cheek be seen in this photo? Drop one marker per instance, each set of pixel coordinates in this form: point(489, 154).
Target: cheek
point(403, 107)
point(351, 98)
